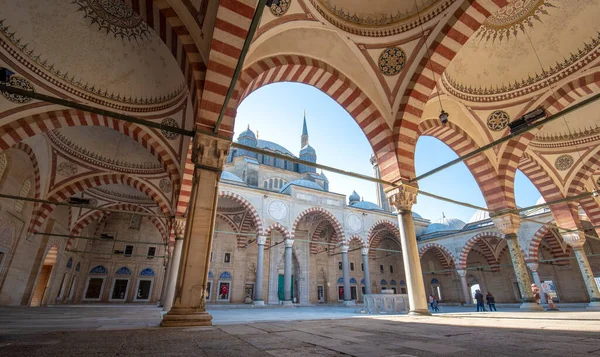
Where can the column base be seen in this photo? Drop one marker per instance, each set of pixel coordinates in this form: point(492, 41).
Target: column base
point(258, 303)
point(184, 317)
point(531, 306)
point(594, 306)
point(349, 303)
point(419, 313)
point(287, 303)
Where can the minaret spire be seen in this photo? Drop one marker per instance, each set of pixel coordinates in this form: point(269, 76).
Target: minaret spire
point(304, 137)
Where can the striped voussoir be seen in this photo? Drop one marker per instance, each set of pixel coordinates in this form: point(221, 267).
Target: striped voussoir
point(165, 22)
point(565, 213)
point(230, 31)
point(15, 132)
point(378, 231)
point(258, 225)
point(480, 166)
point(488, 254)
point(337, 226)
point(83, 183)
point(444, 255)
point(558, 248)
point(185, 193)
point(572, 92)
point(355, 238)
point(90, 216)
point(278, 227)
point(592, 210)
point(36, 169)
point(588, 165)
point(461, 25)
point(316, 237)
point(316, 73)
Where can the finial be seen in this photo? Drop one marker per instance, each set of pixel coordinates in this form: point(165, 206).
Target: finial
point(257, 134)
point(443, 215)
point(248, 126)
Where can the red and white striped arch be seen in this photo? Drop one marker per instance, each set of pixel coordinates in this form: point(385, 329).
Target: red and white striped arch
point(91, 216)
point(276, 227)
point(380, 230)
point(247, 205)
point(460, 26)
point(337, 226)
point(15, 132)
point(355, 238)
point(316, 73)
point(464, 253)
point(480, 166)
point(36, 168)
point(443, 254)
point(577, 186)
point(83, 183)
point(557, 249)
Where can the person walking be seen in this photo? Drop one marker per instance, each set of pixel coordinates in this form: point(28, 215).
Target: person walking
point(435, 304)
point(491, 302)
point(479, 298)
point(431, 300)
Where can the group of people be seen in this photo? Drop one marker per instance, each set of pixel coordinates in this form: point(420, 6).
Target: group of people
point(491, 302)
point(433, 303)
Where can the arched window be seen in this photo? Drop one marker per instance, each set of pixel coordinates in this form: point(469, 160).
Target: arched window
point(24, 192)
point(270, 183)
point(266, 184)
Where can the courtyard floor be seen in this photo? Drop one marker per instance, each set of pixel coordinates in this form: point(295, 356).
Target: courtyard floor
point(305, 331)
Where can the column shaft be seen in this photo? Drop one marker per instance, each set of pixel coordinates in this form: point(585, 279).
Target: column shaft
point(465, 286)
point(346, 273)
point(533, 267)
point(287, 273)
point(588, 276)
point(260, 260)
point(365, 260)
point(173, 273)
point(520, 269)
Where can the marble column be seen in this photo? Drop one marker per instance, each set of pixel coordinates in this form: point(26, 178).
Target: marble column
point(189, 306)
point(344, 247)
point(287, 273)
point(403, 198)
point(365, 261)
point(509, 225)
point(260, 261)
point(533, 267)
point(172, 278)
point(165, 283)
point(468, 299)
point(576, 240)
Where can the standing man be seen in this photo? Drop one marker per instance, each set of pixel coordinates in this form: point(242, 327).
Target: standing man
point(491, 302)
point(479, 298)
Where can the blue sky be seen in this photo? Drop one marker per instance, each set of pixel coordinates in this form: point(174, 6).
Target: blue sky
point(276, 112)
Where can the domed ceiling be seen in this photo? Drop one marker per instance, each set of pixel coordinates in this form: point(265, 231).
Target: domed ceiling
point(578, 125)
point(105, 147)
point(354, 15)
point(99, 46)
point(524, 43)
point(120, 193)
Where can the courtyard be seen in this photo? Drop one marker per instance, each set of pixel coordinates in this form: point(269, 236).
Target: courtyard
point(305, 331)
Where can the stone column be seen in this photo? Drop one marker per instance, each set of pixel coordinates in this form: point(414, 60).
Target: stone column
point(509, 224)
point(465, 286)
point(189, 306)
point(287, 273)
point(346, 274)
point(260, 261)
point(577, 240)
point(403, 198)
point(365, 260)
point(533, 267)
point(173, 273)
point(169, 259)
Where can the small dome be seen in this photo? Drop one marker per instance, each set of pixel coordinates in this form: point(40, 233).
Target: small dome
point(301, 183)
point(366, 205)
point(228, 176)
point(354, 197)
point(444, 224)
point(416, 215)
point(307, 150)
point(480, 215)
point(269, 145)
point(247, 133)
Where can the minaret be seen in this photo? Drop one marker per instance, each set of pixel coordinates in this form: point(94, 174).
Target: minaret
point(304, 136)
point(381, 198)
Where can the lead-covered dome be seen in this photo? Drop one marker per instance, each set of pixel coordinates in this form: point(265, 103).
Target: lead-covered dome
point(354, 197)
point(480, 215)
point(301, 183)
point(228, 176)
point(444, 225)
point(366, 205)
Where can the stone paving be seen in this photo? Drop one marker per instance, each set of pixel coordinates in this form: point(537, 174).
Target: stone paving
point(132, 331)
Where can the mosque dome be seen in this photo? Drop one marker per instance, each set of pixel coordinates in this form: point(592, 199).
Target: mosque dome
point(444, 224)
point(301, 183)
point(269, 145)
point(480, 215)
point(247, 134)
point(416, 215)
point(366, 205)
point(228, 176)
point(354, 197)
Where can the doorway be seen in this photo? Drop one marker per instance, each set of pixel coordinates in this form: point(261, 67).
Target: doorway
point(280, 282)
point(43, 281)
point(474, 288)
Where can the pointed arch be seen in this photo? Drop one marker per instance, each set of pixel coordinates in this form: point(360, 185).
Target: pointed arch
point(83, 183)
point(557, 247)
point(377, 233)
point(443, 254)
point(248, 206)
point(337, 226)
point(355, 238)
point(15, 132)
point(329, 80)
point(277, 227)
point(488, 254)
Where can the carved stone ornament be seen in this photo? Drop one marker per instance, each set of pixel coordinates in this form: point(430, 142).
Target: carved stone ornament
point(344, 247)
point(462, 272)
point(364, 251)
point(261, 240)
point(574, 239)
point(508, 223)
point(403, 197)
point(391, 61)
point(289, 243)
point(564, 162)
point(498, 120)
point(210, 151)
point(179, 227)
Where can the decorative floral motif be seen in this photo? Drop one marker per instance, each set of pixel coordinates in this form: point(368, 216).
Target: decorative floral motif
point(116, 17)
point(66, 169)
point(165, 185)
point(147, 272)
point(282, 8)
point(169, 134)
point(564, 162)
point(391, 61)
point(21, 83)
point(498, 120)
point(383, 19)
point(99, 269)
